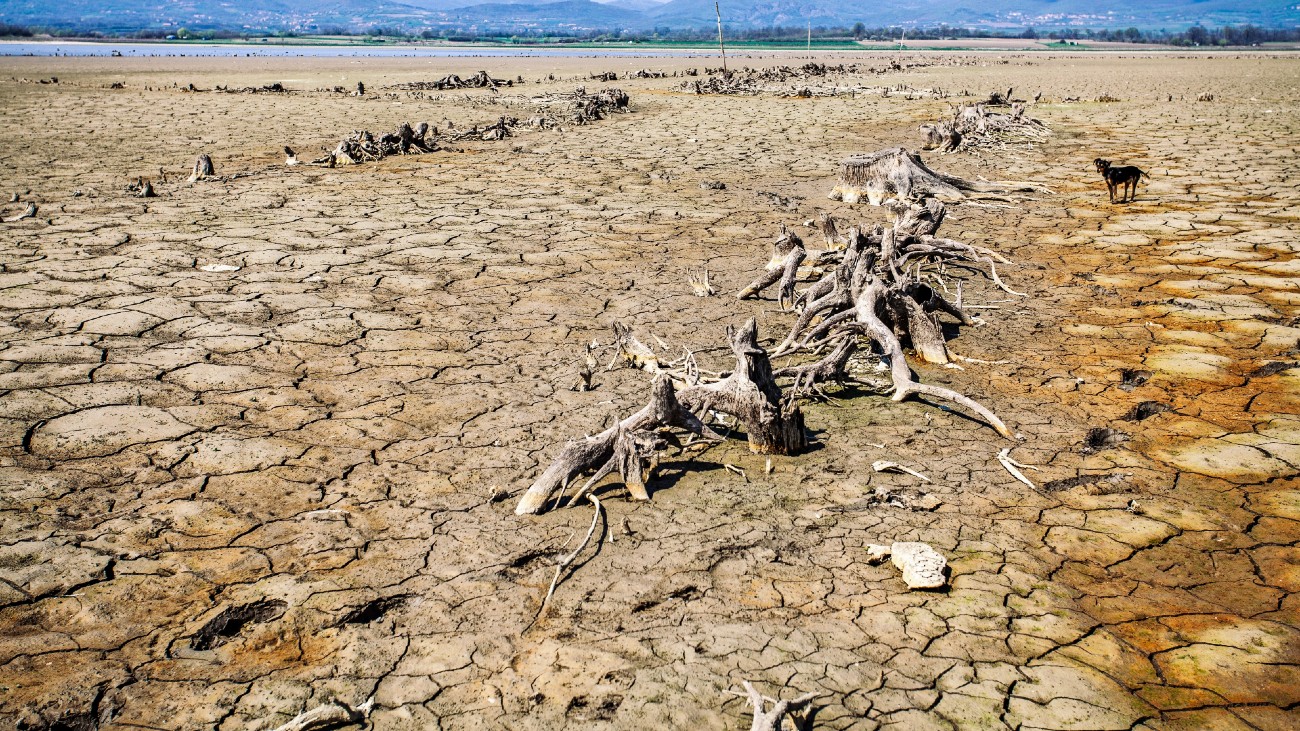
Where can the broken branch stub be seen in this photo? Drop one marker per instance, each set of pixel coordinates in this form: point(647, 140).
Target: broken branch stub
point(941, 136)
point(788, 254)
point(28, 212)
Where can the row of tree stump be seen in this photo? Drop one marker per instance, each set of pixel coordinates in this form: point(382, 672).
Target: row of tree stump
point(576, 108)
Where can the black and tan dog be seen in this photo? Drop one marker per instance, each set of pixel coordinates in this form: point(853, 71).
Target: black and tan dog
point(1127, 176)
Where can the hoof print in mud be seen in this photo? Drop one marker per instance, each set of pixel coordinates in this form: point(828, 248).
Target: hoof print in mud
point(231, 621)
point(1131, 378)
point(373, 610)
point(1146, 410)
point(600, 708)
point(1099, 438)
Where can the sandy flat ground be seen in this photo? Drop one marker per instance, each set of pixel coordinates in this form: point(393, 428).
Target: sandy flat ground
point(228, 497)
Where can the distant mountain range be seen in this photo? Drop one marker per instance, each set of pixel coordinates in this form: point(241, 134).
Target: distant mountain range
point(125, 16)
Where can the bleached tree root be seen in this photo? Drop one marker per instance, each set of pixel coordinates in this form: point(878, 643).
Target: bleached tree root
point(773, 424)
point(973, 125)
point(942, 136)
point(568, 560)
point(28, 212)
point(788, 254)
point(330, 715)
point(364, 146)
point(904, 384)
point(772, 719)
point(877, 291)
point(202, 169)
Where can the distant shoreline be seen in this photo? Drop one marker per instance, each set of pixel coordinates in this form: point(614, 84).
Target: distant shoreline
point(388, 47)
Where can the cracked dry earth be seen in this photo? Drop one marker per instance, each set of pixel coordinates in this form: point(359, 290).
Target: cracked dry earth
point(228, 497)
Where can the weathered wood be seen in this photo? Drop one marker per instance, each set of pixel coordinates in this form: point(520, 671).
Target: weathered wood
point(330, 715)
point(750, 393)
point(774, 718)
point(700, 283)
point(633, 352)
point(142, 188)
point(28, 212)
point(203, 169)
point(899, 174)
point(877, 290)
point(611, 449)
point(904, 384)
point(787, 254)
point(917, 219)
point(942, 136)
point(365, 146)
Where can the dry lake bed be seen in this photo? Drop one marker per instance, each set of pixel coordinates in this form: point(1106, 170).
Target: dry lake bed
point(262, 435)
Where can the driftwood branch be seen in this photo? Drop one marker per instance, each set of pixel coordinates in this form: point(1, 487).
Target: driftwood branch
point(330, 715)
point(766, 719)
point(28, 212)
point(787, 254)
point(568, 559)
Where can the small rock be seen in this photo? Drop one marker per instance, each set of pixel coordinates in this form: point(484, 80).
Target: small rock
point(922, 566)
point(926, 502)
point(713, 185)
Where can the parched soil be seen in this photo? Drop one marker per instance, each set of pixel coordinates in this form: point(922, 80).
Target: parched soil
point(227, 497)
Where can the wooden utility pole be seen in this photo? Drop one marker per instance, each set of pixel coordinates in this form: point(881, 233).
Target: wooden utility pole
point(721, 47)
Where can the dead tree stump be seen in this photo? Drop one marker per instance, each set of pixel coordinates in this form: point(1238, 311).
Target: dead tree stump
point(202, 169)
point(774, 425)
point(880, 288)
point(142, 188)
point(899, 174)
point(941, 136)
